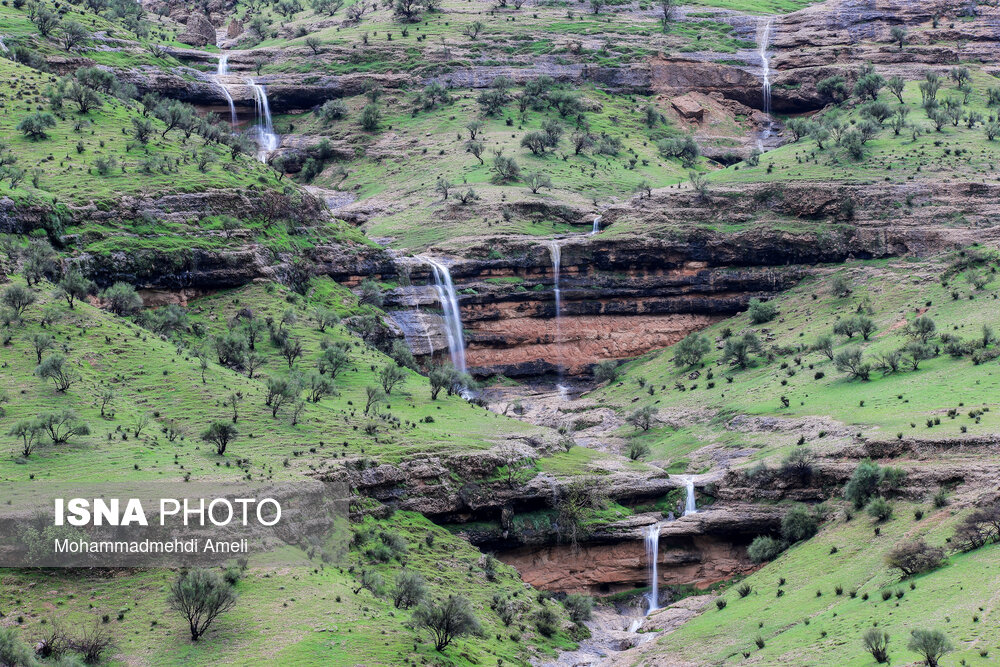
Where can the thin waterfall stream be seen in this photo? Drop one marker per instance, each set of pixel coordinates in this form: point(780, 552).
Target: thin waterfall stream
point(264, 134)
point(221, 71)
point(765, 32)
point(555, 252)
point(652, 539)
point(448, 298)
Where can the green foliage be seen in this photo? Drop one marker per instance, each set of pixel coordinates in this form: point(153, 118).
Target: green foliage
point(931, 644)
point(798, 524)
point(200, 596)
point(765, 548)
point(690, 350)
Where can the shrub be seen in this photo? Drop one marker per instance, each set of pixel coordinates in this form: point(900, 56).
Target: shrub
point(744, 590)
point(200, 596)
point(122, 299)
point(914, 557)
point(931, 644)
point(606, 371)
point(863, 484)
point(34, 126)
point(409, 589)
point(762, 311)
point(798, 524)
point(876, 642)
point(546, 621)
point(764, 548)
point(579, 607)
point(447, 620)
point(879, 509)
point(690, 350)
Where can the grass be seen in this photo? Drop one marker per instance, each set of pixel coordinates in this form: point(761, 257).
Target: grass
point(815, 389)
point(802, 627)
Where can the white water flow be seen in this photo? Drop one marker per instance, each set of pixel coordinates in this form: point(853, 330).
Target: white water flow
point(652, 539)
point(555, 252)
point(267, 140)
point(597, 226)
point(223, 70)
point(765, 32)
point(690, 507)
point(452, 315)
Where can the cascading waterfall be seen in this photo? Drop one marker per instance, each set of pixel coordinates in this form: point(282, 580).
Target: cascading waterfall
point(690, 507)
point(652, 539)
point(267, 140)
point(597, 226)
point(223, 70)
point(764, 34)
point(452, 315)
point(555, 252)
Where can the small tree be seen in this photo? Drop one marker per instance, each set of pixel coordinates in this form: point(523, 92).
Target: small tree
point(536, 181)
point(34, 126)
point(219, 433)
point(864, 483)
point(279, 392)
point(28, 430)
point(61, 425)
point(18, 298)
point(409, 590)
point(318, 386)
point(333, 360)
point(898, 35)
point(931, 644)
point(921, 329)
point(606, 371)
point(851, 361)
point(642, 418)
point(690, 350)
point(824, 344)
point(390, 376)
point(914, 557)
point(879, 509)
point(440, 378)
point(447, 620)
point(42, 342)
point(314, 43)
point(201, 596)
point(291, 349)
point(374, 396)
point(122, 299)
point(74, 286)
point(55, 367)
point(738, 351)
point(876, 642)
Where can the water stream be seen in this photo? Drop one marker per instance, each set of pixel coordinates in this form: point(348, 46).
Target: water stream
point(264, 134)
point(452, 314)
point(690, 507)
point(597, 226)
point(223, 70)
point(652, 539)
point(765, 32)
point(555, 252)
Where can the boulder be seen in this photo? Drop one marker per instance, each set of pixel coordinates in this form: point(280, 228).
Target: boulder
point(688, 107)
point(199, 31)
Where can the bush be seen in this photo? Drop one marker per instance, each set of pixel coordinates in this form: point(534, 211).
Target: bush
point(877, 643)
point(122, 299)
point(764, 548)
point(546, 621)
point(200, 595)
point(762, 311)
point(447, 620)
point(879, 509)
point(914, 557)
point(798, 524)
point(863, 484)
point(931, 644)
point(606, 371)
point(690, 350)
point(331, 110)
point(579, 607)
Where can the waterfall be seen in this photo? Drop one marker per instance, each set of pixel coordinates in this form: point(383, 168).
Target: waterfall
point(223, 70)
point(764, 35)
point(267, 140)
point(555, 252)
point(652, 539)
point(452, 314)
point(690, 507)
point(597, 226)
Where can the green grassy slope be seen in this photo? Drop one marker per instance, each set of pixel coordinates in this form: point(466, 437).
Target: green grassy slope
point(810, 623)
point(882, 407)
